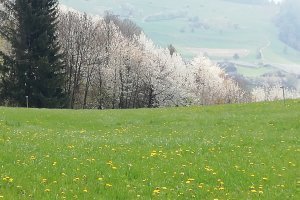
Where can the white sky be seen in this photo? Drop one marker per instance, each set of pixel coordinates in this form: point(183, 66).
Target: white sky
point(276, 1)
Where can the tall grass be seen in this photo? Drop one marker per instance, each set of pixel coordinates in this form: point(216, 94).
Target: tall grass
point(219, 152)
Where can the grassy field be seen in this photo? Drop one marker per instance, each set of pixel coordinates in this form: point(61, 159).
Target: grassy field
point(219, 152)
point(254, 72)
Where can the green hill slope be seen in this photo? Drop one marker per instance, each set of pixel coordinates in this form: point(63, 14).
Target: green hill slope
point(217, 28)
point(233, 152)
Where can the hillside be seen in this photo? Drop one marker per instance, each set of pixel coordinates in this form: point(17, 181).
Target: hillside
point(217, 28)
point(233, 152)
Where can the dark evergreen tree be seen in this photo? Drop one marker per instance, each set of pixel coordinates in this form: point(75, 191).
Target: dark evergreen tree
point(34, 68)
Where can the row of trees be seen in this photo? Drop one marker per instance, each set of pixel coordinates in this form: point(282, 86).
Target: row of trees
point(112, 64)
point(69, 59)
point(119, 67)
point(275, 91)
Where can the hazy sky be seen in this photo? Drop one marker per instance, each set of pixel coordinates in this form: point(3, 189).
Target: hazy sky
point(276, 0)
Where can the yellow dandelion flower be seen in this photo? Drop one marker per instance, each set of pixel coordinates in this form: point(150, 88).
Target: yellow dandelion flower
point(47, 190)
point(188, 182)
point(32, 157)
point(85, 190)
point(108, 185)
point(153, 153)
point(76, 179)
point(100, 179)
point(156, 191)
point(265, 179)
point(10, 180)
point(253, 191)
point(44, 180)
point(109, 163)
point(1, 196)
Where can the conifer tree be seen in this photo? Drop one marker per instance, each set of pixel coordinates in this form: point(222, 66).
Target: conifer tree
point(34, 67)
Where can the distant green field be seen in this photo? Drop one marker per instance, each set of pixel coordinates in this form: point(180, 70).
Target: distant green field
point(254, 72)
point(218, 152)
point(255, 26)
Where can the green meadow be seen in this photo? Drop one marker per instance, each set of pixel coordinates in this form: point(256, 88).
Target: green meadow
point(247, 151)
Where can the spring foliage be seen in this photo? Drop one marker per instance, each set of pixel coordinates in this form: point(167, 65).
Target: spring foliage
point(111, 63)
